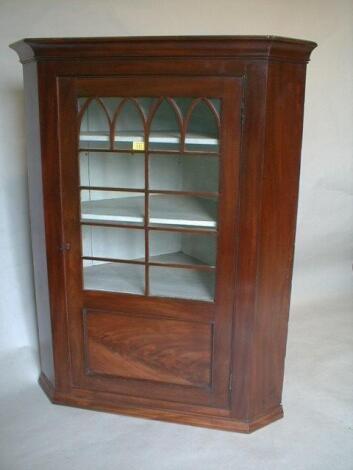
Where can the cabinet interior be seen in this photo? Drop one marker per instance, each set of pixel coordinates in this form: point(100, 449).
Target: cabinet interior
point(149, 184)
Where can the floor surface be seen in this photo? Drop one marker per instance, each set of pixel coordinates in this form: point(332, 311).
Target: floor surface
point(316, 432)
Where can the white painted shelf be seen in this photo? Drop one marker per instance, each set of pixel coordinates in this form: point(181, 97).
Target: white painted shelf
point(127, 209)
point(164, 282)
point(164, 210)
point(114, 277)
point(176, 258)
point(182, 283)
point(154, 137)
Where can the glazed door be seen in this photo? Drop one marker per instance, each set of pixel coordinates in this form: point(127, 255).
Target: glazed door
point(149, 192)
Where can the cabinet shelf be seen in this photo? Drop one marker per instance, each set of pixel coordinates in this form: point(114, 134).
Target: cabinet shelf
point(178, 258)
point(115, 277)
point(165, 281)
point(171, 259)
point(164, 210)
point(154, 137)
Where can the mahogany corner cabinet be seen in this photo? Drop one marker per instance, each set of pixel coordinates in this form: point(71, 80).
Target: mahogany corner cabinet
point(163, 181)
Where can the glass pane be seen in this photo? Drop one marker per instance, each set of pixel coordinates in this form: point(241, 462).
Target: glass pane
point(107, 169)
point(129, 126)
point(184, 172)
point(182, 283)
point(95, 124)
point(112, 139)
point(202, 130)
point(111, 105)
point(114, 277)
point(145, 103)
point(165, 127)
point(184, 105)
point(112, 207)
point(183, 211)
point(182, 248)
point(111, 242)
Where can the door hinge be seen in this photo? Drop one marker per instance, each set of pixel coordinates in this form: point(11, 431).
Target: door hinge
point(242, 114)
point(230, 382)
point(65, 247)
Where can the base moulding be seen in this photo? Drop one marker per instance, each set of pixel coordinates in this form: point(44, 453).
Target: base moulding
point(174, 416)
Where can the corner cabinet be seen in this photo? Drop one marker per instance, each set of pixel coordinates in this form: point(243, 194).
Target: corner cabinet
point(163, 180)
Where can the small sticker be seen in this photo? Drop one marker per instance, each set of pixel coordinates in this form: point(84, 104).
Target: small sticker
point(138, 146)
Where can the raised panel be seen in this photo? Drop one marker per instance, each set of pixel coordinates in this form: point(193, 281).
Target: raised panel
point(159, 350)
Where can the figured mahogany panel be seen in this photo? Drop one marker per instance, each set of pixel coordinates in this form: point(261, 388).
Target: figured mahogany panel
point(161, 350)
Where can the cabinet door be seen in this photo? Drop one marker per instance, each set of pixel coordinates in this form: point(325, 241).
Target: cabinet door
point(149, 191)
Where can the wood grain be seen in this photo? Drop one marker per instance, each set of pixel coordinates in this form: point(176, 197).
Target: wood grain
point(146, 348)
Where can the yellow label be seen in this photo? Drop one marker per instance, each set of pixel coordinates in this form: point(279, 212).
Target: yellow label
point(138, 146)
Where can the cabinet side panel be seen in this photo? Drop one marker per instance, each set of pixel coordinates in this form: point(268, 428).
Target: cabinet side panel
point(280, 180)
point(37, 219)
point(253, 135)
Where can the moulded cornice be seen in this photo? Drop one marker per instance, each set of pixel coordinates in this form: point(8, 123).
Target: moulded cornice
point(247, 47)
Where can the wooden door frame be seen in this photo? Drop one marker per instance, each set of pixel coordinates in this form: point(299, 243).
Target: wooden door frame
point(231, 89)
